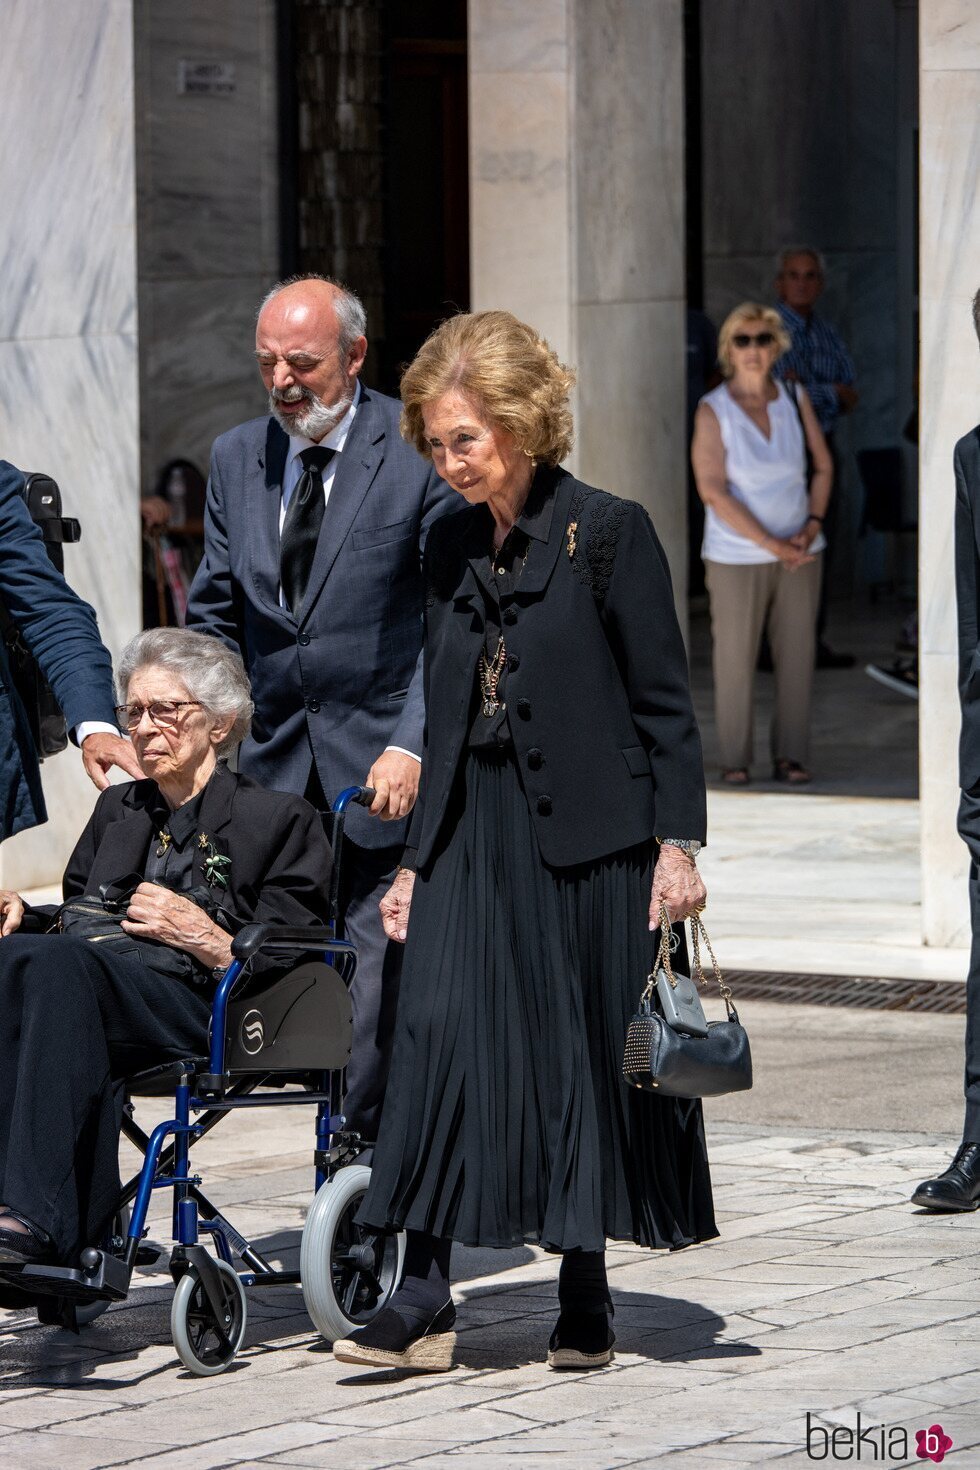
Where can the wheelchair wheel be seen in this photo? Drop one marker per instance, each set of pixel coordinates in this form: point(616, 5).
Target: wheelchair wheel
point(347, 1272)
point(205, 1346)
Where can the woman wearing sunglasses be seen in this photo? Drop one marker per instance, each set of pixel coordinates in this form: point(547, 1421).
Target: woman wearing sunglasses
point(753, 437)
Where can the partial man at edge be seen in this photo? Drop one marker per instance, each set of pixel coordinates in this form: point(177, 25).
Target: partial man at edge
point(315, 521)
point(957, 1189)
point(62, 633)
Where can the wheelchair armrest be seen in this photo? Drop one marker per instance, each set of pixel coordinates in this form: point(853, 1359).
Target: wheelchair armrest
point(255, 937)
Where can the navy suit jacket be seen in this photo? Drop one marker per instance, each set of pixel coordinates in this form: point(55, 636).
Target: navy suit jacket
point(343, 680)
point(63, 635)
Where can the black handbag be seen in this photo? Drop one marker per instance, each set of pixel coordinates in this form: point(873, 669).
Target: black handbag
point(660, 1058)
point(97, 918)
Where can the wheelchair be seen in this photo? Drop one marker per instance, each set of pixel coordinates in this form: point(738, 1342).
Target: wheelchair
point(295, 1029)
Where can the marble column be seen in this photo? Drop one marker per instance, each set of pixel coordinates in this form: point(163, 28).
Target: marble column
point(949, 246)
point(68, 328)
point(577, 223)
point(207, 198)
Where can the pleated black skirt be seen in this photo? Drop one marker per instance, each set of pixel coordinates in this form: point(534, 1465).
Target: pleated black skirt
point(506, 1116)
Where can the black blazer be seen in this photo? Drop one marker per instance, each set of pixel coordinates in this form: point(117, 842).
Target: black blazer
point(597, 687)
point(280, 857)
point(966, 462)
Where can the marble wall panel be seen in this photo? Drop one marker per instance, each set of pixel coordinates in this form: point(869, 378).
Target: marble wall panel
point(68, 402)
point(521, 249)
point(208, 220)
point(773, 123)
point(207, 164)
point(949, 36)
point(950, 389)
point(66, 170)
point(511, 35)
point(199, 373)
point(631, 424)
point(629, 150)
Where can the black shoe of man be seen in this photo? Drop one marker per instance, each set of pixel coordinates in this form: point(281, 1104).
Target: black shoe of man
point(958, 1189)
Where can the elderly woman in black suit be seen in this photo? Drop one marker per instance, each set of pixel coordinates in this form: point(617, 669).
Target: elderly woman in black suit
point(203, 851)
point(562, 801)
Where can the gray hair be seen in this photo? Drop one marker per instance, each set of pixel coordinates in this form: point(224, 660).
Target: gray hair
point(351, 316)
point(210, 672)
point(788, 251)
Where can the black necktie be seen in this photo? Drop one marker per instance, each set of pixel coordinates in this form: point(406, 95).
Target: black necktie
point(300, 529)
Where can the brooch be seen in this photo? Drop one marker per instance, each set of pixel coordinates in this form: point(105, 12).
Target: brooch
point(164, 839)
point(572, 543)
point(216, 865)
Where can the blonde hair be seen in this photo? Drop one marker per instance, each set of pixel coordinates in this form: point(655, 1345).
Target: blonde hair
point(506, 368)
point(750, 311)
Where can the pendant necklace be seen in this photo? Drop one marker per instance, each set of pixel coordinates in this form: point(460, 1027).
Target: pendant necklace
point(490, 671)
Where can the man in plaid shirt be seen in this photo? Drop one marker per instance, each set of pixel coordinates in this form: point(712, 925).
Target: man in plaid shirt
point(819, 360)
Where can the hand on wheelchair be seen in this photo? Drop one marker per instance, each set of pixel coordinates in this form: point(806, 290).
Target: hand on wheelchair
point(394, 778)
point(158, 913)
point(11, 912)
point(396, 906)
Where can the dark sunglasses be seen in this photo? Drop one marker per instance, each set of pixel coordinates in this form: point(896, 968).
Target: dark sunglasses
point(745, 339)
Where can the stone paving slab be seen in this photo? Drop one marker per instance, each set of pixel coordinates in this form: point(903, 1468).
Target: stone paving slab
point(827, 1294)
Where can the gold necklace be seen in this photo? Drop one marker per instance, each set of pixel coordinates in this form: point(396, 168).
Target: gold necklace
point(490, 671)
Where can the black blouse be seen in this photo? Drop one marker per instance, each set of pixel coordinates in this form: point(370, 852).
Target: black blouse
point(170, 859)
point(499, 586)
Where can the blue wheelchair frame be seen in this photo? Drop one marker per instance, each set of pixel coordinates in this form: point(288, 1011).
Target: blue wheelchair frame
point(104, 1274)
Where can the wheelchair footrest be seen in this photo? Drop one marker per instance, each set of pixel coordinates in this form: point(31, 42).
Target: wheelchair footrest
point(105, 1279)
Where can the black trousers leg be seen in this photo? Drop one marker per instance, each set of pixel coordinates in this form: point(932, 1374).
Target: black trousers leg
point(582, 1283)
point(971, 1124)
point(366, 876)
point(73, 1020)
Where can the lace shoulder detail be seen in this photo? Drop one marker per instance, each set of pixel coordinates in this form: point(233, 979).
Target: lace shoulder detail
point(597, 518)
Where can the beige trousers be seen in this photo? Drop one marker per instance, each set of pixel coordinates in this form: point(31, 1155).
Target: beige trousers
point(744, 600)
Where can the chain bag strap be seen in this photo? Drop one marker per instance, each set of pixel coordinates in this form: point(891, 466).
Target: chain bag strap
point(662, 1056)
point(677, 995)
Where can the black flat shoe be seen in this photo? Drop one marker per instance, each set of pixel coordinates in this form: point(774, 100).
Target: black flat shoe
point(581, 1340)
point(20, 1249)
point(957, 1190)
point(402, 1337)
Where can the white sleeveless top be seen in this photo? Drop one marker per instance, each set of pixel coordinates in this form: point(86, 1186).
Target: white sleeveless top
point(767, 475)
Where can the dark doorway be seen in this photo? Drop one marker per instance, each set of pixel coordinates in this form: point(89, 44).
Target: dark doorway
point(374, 161)
point(427, 269)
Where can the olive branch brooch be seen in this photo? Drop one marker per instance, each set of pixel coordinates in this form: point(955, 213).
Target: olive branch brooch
point(216, 865)
point(572, 542)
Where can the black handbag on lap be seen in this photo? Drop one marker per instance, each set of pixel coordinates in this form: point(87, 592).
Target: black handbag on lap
point(97, 917)
point(667, 1056)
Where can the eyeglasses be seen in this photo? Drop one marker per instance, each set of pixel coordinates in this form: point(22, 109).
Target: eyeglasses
point(161, 712)
point(746, 339)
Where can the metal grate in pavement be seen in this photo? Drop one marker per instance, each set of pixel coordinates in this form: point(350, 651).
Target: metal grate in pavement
point(862, 992)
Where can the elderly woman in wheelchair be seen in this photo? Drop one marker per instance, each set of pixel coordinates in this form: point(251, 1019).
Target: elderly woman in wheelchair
point(123, 976)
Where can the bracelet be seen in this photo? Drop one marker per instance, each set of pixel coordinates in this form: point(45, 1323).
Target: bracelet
point(818, 519)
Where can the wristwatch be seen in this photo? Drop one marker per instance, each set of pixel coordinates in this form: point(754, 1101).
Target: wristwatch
point(690, 845)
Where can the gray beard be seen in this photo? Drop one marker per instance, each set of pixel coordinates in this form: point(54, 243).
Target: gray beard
point(315, 419)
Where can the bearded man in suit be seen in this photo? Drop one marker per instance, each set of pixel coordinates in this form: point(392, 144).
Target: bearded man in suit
point(315, 520)
point(957, 1189)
